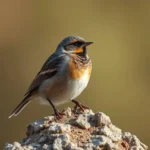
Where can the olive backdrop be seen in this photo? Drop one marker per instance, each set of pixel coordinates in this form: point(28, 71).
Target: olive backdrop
point(120, 81)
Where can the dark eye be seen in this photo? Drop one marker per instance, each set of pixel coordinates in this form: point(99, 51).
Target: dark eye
point(73, 45)
point(77, 44)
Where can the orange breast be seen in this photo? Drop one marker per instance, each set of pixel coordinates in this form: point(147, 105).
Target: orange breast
point(76, 71)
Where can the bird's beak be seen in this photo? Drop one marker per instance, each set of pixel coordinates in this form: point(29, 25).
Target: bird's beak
point(87, 43)
point(80, 49)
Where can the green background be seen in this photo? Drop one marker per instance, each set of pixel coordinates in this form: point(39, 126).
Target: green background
point(120, 81)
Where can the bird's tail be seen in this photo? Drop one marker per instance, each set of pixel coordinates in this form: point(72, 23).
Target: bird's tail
point(21, 106)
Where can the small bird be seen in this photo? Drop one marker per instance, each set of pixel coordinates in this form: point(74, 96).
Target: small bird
point(64, 75)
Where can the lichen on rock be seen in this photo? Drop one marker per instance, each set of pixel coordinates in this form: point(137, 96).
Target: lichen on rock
point(76, 131)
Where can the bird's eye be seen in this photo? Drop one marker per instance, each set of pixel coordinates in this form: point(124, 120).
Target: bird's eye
point(78, 44)
point(73, 46)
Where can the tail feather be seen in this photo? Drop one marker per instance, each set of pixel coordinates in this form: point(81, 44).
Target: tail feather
point(20, 107)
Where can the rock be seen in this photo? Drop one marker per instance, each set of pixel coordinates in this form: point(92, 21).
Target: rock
point(47, 147)
point(67, 112)
point(49, 119)
point(84, 120)
point(73, 146)
point(97, 142)
point(109, 132)
point(133, 141)
point(61, 142)
point(58, 128)
point(35, 127)
point(42, 139)
point(80, 131)
point(102, 119)
point(14, 146)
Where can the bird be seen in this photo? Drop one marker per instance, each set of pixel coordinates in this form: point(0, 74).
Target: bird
point(62, 78)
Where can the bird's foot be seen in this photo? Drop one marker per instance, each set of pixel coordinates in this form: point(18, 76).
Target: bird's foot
point(58, 114)
point(79, 105)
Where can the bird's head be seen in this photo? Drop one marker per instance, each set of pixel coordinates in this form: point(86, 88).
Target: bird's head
point(73, 45)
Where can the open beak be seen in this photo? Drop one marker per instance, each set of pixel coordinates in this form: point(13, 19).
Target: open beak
point(87, 43)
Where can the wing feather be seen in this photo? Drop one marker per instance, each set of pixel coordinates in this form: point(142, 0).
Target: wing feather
point(48, 70)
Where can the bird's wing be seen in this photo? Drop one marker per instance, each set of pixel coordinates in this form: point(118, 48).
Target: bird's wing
point(48, 70)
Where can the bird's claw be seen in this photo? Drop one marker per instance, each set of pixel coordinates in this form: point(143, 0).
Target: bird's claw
point(58, 114)
point(78, 105)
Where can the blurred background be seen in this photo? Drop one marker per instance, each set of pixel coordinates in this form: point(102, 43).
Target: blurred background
point(120, 82)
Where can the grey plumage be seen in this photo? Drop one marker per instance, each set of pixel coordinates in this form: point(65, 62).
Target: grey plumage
point(69, 39)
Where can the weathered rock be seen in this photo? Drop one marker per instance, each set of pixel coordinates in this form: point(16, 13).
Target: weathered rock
point(58, 128)
point(102, 119)
point(67, 112)
point(133, 141)
point(61, 142)
point(34, 127)
point(80, 131)
point(109, 132)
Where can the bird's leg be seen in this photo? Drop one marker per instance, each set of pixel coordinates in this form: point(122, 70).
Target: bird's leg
point(56, 112)
point(79, 105)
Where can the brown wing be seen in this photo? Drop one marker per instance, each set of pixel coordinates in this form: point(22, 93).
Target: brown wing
point(48, 70)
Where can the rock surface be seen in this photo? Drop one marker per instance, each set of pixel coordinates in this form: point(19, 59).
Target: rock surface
point(76, 131)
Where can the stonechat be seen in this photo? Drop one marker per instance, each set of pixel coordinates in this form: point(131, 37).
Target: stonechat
point(64, 75)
